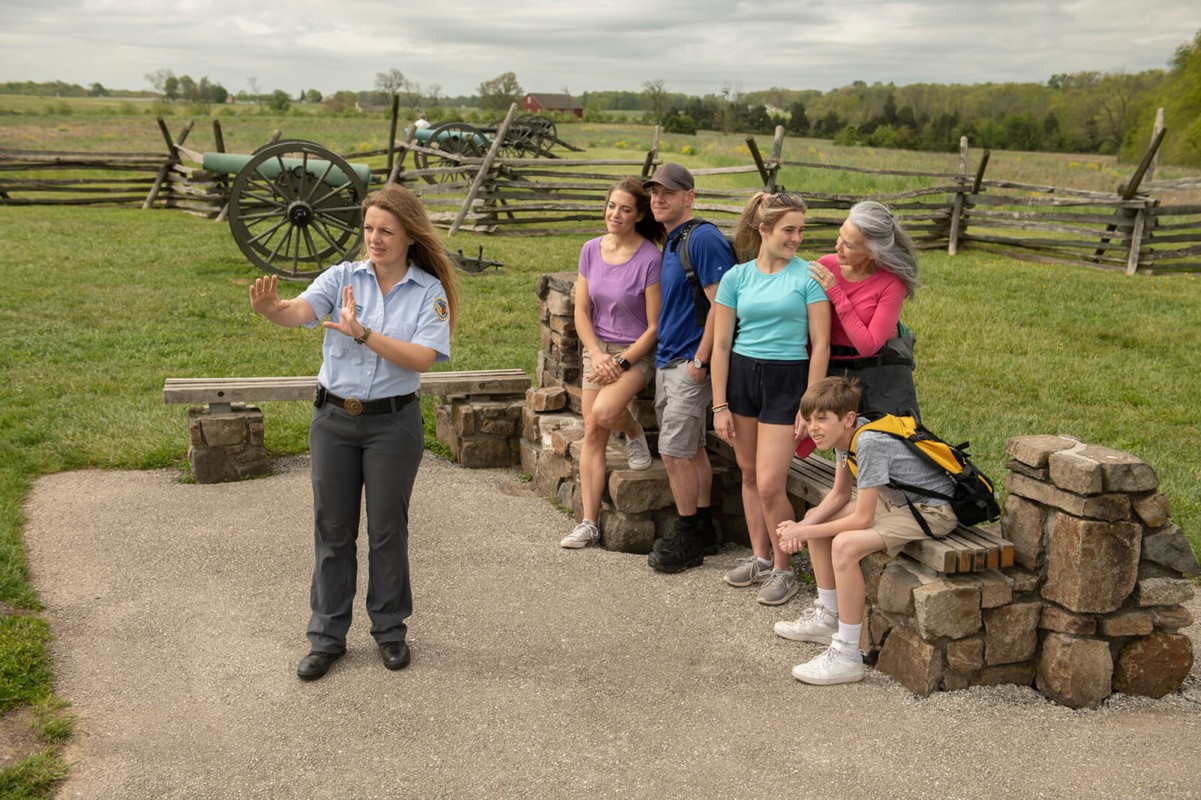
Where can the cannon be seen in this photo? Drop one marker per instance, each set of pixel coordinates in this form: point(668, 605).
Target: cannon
point(295, 208)
point(528, 136)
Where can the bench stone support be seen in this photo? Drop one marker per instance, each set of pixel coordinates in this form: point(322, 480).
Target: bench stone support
point(226, 445)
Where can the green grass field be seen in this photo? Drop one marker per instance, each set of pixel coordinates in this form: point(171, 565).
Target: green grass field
point(102, 305)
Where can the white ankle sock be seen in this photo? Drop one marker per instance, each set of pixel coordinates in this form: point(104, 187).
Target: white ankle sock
point(849, 635)
point(828, 599)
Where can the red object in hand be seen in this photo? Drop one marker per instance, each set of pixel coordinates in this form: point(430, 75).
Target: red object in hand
point(805, 447)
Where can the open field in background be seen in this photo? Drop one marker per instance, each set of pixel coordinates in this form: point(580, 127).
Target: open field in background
point(103, 304)
point(116, 132)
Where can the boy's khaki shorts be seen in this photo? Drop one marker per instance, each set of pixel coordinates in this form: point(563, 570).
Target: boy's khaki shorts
point(897, 527)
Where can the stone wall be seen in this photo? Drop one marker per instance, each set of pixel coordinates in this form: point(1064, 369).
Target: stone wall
point(1092, 605)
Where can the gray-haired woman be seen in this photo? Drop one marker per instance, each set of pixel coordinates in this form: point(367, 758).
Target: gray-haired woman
point(868, 280)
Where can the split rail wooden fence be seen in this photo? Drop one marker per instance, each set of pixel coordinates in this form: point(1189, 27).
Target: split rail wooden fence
point(1132, 230)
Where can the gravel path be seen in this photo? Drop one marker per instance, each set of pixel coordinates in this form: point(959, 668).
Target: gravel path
point(180, 610)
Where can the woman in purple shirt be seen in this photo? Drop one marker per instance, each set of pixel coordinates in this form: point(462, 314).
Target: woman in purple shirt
point(617, 319)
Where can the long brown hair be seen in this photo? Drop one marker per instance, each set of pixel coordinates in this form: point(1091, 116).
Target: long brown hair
point(649, 227)
point(427, 250)
point(762, 209)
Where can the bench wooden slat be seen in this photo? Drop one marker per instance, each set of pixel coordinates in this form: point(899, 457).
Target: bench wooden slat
point(1004, 545)
point(251, 390)
point(934, 553)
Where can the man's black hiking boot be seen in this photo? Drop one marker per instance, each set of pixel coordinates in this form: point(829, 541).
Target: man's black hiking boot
point(707, 534)
point(680, 551)
point(706, 531)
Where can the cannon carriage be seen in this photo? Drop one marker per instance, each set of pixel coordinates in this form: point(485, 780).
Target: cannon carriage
point(527, 136)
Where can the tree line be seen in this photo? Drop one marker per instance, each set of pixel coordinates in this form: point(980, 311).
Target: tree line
point(1083, 112)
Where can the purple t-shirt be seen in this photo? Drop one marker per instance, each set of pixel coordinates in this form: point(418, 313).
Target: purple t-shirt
point(618, 291)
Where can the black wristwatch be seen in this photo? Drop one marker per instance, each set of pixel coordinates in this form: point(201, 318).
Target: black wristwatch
point(621, 362)
point(696, 362)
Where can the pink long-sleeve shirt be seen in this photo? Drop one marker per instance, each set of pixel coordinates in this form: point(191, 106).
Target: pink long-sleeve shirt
point(866, 311)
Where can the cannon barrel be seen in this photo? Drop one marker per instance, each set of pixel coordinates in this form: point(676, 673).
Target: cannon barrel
point(232, 163)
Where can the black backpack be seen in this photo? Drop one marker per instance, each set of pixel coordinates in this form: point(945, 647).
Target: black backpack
point(974, 498)
point(679, 243)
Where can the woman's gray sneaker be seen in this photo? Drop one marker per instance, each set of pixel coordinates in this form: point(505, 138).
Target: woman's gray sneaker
point(780, 587)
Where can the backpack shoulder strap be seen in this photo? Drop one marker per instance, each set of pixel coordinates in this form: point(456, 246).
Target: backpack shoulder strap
point(679, 243)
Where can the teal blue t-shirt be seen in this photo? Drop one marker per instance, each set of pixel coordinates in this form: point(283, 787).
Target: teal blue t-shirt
point(772, 310)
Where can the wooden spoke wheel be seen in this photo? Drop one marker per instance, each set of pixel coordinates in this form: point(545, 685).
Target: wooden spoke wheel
point(540, 134)
point(453, 139)
point(295, 210)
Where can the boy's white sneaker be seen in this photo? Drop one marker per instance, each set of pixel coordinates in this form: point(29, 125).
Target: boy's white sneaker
point(816, 625)
point(834, 665)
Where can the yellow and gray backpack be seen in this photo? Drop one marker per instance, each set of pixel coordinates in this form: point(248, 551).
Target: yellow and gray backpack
point(974, 499)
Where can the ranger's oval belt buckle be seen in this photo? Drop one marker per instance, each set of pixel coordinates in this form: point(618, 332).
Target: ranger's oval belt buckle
point(352, 406)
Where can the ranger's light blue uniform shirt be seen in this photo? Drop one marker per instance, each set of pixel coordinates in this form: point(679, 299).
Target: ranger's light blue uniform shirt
point(415, 310)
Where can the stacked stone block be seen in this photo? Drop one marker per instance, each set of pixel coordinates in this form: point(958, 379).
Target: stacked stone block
point(1091, 607)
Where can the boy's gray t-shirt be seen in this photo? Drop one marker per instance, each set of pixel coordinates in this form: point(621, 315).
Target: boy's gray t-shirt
point(881, 459)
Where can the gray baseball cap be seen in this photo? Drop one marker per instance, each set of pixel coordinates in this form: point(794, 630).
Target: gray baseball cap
point(671, 176)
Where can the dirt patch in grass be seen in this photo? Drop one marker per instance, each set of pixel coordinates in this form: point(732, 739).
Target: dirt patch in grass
point(18, 737)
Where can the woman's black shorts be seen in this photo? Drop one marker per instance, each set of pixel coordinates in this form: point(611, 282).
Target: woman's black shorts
point(768, 390)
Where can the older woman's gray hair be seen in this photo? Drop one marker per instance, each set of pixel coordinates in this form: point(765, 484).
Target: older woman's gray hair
point(886, 241)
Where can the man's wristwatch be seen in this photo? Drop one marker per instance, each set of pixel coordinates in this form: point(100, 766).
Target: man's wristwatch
point(363, 339)
point(696, 362)
point(621, 362)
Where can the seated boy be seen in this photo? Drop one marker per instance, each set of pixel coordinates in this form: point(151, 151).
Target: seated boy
point(840, 532)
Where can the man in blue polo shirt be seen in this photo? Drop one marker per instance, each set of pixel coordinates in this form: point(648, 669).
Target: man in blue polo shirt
point(682, 389)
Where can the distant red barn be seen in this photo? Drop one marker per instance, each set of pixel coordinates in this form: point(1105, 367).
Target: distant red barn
point(547, 103)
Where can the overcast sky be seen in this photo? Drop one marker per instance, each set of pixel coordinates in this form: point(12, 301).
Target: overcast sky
point(695, 46)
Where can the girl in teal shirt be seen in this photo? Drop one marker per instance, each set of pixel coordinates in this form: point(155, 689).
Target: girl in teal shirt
point(771, 340)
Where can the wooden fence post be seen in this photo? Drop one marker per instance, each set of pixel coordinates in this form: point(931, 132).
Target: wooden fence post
point(758, 158)
point(1127, 192)
point(392, 132)
point(777, 148)
point(398, 166)
point(1155, 132)
point(172, 159)
point(485, 167)
point(960, 206)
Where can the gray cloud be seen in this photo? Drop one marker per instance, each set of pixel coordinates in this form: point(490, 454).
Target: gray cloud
point(696, 47)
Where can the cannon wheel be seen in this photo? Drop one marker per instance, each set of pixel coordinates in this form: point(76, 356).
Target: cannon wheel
point(540, 134)
point(303, 220)
point(456, 138)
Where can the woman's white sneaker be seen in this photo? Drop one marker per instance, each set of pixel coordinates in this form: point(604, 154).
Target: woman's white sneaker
point(638, 452)
point(583, 535)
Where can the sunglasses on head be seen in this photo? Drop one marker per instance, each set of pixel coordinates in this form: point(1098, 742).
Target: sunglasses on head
point(785, 199)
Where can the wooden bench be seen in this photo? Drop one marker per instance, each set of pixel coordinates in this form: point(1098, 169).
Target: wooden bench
point(227, 436)
point(220, 393)
point(966, 549)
